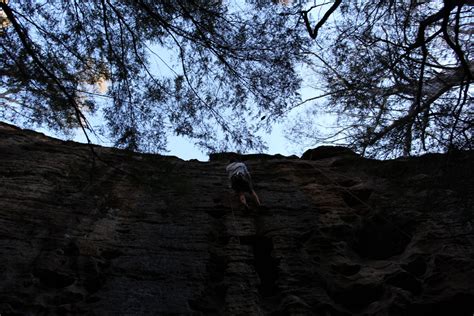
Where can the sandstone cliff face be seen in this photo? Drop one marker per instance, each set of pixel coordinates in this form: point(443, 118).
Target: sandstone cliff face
point(132, 234)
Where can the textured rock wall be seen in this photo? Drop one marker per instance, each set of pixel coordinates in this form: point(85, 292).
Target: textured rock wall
point(131, 234)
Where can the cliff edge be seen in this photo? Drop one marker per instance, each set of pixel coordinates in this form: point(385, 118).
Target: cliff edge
point(122, 233)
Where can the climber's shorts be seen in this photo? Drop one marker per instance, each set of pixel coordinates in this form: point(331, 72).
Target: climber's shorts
point(241, 183)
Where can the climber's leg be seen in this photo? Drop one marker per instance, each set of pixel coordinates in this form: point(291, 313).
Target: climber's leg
point(256, 197)
point(242, 199)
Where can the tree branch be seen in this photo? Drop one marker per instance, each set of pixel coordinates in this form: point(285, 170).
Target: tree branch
point(313, 33)
point(26, 42)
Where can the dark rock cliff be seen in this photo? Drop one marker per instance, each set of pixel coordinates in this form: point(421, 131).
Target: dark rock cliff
point(132, 234)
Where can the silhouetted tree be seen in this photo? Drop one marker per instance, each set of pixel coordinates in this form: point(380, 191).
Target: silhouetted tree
point(234, 65)
point(396, 74)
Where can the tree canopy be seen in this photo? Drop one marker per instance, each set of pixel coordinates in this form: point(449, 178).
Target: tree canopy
point(396, 73)
point(233, 66)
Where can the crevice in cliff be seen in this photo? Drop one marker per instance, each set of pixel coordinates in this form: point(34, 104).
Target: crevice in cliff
point(405, 281)
point(416, 267)
point(265, 265)
point(379, 239)
point(53, 279)
point(211, 301)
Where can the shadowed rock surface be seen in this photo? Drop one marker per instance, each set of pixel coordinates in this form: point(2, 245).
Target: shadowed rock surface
point(132, 234)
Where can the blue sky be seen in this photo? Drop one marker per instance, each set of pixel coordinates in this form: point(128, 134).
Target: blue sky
point(185, 149)
point(277, 144)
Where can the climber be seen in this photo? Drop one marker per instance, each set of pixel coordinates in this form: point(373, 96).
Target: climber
point(240, 180)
